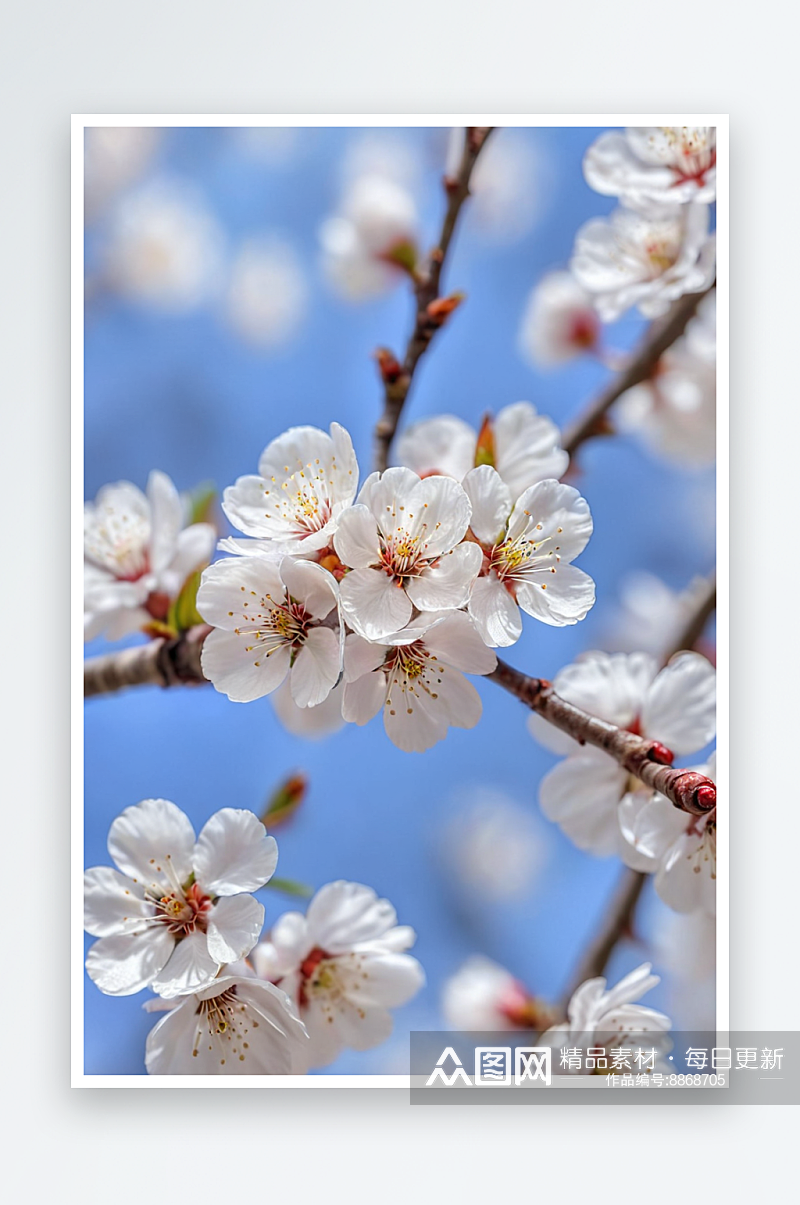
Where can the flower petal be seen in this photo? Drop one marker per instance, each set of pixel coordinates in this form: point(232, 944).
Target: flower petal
point(680, 706)
point(560, 596)
point(166, 520)
point(234, 853)
point(239, 668)
point(582, 795)
point(356, 539)
point(457, 642)
point(554, 516)
point(444, 446)
point(527, 447)
point(375, 605)
point(342, 914)
point(364, 698)
point(228, 584)
point(317, 667)
point(190, 968)
point(491, 503)
point(234, 927)
point(310, 585)
point(446, 584)
point(495, 612)
point(127, 962)
point(147, 836)
point(112, 902)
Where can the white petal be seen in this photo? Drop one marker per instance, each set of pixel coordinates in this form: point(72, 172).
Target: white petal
point(195, 548)
point(310, 585)
point(365, 1028)
point(375, 605)
point(356, 540)
point(144, 838)
point(560, 596)
point(582, 795)
point(241, 670)
point(441, 508)
point(457, 699)
point(361, 656)
point(491, 503)
point(166, 518)
point(342, 914)
point(555, 516)
point(234, 853)
point(234, 927)
point(446, 584)
point(680, 707)
point(190, 968)
point(363, 698)
point(611, 686)
point(382, 980)
point(317, 667)
point(527, 447)
point(650, 824)
point(456, 641)
point(127, 962)
point(112, 902)
point(443, 446)
point(410, 725)
point(227, 585)
point(495, 612)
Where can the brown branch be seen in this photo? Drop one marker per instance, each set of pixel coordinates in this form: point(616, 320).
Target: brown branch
point(159, 663)
point(659, 337)
point(647, 760)
point(431, 310)
point(617, 922)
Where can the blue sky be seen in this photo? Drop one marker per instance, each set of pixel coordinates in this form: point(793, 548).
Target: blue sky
point(183, 394)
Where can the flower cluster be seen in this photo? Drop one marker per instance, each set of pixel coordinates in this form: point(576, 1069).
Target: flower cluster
point(605, 810)
point(402, 588)
point(177, 916)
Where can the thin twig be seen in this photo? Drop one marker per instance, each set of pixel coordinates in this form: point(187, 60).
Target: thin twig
point(431, 310)
point(617, 923)
point(701, 612)
point(647, 760)
point(659, 337)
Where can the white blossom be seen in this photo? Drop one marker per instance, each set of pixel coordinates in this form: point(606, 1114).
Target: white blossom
point(402, 543)
point(651, 615)
point(267, 295)
point(416, 677)
point(608, 1017)
point(306, 480)
point(372, 237)
point(674, 412)
point(164, 248)
point(238, 1025)
point(676, 707)
point(269, 621)
point(527, 549)
point(680, 849)
point(522, 445)
point(137, 555)
point(343, 966)
point(666, 164)
point(559, 322)
point(178, 908)
point(482, 995)
point(647, 257)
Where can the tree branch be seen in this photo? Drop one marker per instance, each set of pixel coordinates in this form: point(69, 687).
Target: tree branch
point(432, 311)
point(617, 922)
point(159, 663)
point(647, 760)
point(659, 337)
point(695, 623)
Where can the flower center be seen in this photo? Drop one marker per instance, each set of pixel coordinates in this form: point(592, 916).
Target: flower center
point(118, 542)
point(183, 910)
point(223, 1024)
point(401, 556)
point(276, 626)
point(303, 500)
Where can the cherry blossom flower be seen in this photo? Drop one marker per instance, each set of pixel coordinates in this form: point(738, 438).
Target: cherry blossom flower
point(177, 909)
point(676, 707)
point(306, 480)
point(137, 555)
point(680, 849)
point(270, 621)
point(402, 542)
point(343, 966)
point(559, 323)
point(522, 445)
point(646, 257)
point(527, 549)
point(482, 995)
point(674, 413)
point(665, 164)
point(238, 1025)
point(416, 678)
point(608, 1017)
point(164, 248)
point(369, 242)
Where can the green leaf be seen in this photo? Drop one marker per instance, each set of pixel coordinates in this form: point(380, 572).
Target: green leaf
point(183, 614)
point(284, 801)
point(290, 887)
